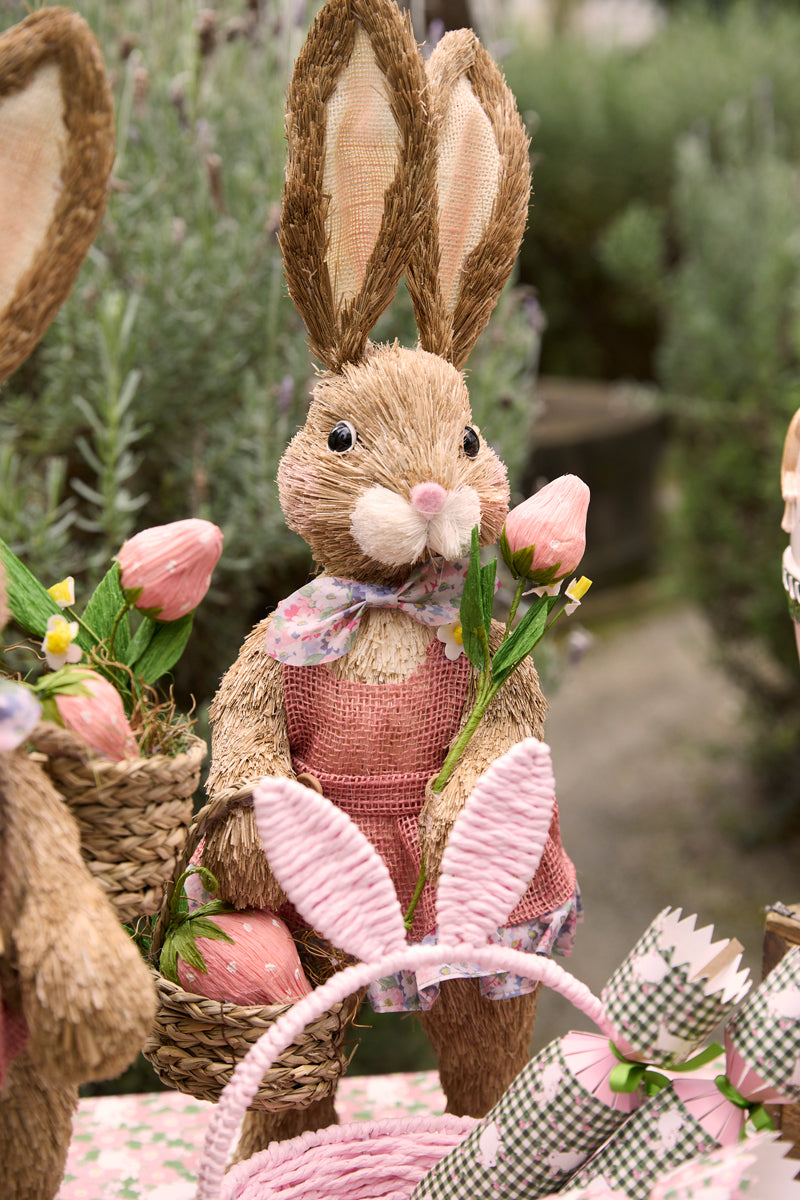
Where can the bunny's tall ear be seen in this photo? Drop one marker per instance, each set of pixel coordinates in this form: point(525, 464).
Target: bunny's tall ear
point(479, 204)
point(330, 872)
point(358, 145)
point(496, 844)
point(56, 152)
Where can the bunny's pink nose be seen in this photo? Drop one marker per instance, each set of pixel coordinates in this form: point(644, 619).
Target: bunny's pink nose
point(428, 499)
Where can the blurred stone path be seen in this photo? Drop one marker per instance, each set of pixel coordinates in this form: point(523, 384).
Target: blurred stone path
point(654, 797)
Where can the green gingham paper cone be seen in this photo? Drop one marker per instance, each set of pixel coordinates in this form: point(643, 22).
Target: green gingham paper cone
point(765, 1033)
point(544, 1126)
point(562, 1106)
point(696, 1116)
point(762, 1060)
point(674, 987)
point(660, 1135)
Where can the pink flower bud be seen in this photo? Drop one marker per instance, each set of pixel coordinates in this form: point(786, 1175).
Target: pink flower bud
point(99, 718)
point(170, 566)
point(544, 538)
point(261, 967)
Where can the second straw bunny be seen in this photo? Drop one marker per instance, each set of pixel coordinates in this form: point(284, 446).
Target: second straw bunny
point(392, 170)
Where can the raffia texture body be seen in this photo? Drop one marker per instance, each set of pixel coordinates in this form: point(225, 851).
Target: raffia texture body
point(374, 140)
point(68, 971)
point(68, 968)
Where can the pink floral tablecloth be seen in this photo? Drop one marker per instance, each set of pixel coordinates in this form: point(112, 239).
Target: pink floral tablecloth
point(147, 1147)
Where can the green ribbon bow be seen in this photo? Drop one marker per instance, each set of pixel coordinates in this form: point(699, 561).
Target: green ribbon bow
point(629, 1074)
point(755, 1110)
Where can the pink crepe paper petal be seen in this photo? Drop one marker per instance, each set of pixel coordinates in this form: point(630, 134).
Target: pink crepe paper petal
point(328, 869)
point(496, 844)
point(591, 1060)
point(720, 1119)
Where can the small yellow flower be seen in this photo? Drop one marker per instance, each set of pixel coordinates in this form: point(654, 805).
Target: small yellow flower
point(59, 642)
point(63, 592)
point(575, 592)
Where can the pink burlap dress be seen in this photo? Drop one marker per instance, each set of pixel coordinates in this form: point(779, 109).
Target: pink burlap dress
point(373, 748)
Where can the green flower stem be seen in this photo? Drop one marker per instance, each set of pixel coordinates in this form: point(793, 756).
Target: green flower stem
point(553, 620)
point(486, 693)
point(122, 612)
point(408, 919)
point(86, 628)
point(514, 606)
point(459, 746)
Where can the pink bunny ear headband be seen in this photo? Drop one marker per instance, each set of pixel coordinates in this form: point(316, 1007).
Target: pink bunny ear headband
point(342, 888)
point(674, 987)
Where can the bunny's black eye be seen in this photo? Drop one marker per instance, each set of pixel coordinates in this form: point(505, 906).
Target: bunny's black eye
point(342, 437)
point(471, 442)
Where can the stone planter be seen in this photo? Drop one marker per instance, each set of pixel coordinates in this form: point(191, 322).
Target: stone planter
point(613, 436)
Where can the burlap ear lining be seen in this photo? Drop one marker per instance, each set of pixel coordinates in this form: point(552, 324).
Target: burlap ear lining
point(341, 337)
point(488, 266)
point(64, 37)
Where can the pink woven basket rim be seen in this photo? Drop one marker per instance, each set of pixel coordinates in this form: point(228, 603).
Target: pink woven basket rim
point(278, 1154)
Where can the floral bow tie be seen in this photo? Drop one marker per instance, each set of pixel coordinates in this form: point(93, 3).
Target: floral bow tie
point(319, 622)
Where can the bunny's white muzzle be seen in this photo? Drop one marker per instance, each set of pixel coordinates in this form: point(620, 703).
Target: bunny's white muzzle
point(397, 531)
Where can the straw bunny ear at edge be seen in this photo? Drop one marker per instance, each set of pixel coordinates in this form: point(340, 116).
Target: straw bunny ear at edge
point(56, 153)
point(358, 147)
point(496, 844)
point(476, 215)
point(330, 872)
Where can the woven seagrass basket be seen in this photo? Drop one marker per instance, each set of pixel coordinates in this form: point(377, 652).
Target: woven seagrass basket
point(195, 1043)
point(133, 814)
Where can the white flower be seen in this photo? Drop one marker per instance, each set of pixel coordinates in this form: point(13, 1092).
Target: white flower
point(551, 589)
point(59, 642)
point(453, 640)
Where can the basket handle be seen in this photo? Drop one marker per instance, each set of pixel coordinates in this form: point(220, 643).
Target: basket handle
point(215, 810)
point(239, 1092)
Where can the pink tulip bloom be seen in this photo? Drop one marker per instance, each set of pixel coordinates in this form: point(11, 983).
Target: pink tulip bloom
point(261, 967)
point(99, 718)
point(169, 567)
point(551, 525)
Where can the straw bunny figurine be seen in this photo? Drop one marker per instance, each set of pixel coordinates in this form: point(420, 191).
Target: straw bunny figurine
point(76, 999)
point(392, 169)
